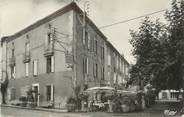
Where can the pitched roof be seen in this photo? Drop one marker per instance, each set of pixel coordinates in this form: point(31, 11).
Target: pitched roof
point(67, 8)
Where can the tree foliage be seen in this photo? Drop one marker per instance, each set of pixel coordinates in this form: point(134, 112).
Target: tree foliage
point(159, 50)
point(175, 18)
point(147, 49)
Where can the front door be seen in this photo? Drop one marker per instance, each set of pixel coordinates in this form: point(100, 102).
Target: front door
point(35, 88)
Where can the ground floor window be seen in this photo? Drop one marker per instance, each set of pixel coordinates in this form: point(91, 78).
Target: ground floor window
point(12, 94)
point(49, 92)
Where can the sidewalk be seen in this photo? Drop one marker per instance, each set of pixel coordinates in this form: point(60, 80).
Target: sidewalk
point(36, 108)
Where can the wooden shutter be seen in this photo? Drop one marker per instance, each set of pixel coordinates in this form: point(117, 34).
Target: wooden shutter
point(52, 63)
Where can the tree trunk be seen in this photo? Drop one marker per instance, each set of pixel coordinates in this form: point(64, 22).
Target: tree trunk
point(3, 97)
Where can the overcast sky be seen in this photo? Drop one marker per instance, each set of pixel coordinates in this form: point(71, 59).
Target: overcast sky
point(17, 14)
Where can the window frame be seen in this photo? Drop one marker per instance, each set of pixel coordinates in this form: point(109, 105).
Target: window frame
point(12, 71)
point(51, 97)
point(52, 64)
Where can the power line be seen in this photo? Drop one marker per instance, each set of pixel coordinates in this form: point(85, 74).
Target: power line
point(124, 21)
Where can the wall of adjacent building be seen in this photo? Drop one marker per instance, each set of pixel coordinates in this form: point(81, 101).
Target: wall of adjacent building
point(82, 52)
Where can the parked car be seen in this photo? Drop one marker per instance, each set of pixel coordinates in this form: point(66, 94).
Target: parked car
point(128, 101)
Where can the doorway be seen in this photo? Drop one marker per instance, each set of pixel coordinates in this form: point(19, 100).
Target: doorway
point(36, 94)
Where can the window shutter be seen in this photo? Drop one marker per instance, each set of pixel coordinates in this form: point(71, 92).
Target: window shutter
point(52, 92)
point(14, 71)
point(89, 41)
point(94, 70)
point(35, 67)
point(52, 64)
point(27, 69)
point(46, 41)
point(87, 65)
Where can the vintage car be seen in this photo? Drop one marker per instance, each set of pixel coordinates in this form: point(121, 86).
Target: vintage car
point(112, 100)
point(128, 101)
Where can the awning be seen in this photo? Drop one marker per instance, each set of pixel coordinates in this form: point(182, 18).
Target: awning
point(100, 88)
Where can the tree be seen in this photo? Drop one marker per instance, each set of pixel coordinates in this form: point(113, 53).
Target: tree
point(148, 51)
point(175, 68)
point(159, 50)
point(4, 86)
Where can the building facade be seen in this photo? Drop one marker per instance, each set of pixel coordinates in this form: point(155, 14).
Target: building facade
point(58, 53)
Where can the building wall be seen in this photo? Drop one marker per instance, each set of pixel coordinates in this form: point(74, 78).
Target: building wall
point(82, 51)
point(36, 37)
point(68, 35)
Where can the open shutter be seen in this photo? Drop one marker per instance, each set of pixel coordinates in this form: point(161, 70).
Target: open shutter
point(52, 92)
point(35, 67)
point(46, 41)
point(87, 65)
point(52, 64)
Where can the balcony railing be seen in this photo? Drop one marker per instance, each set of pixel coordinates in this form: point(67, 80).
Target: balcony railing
point(12, 61)
point(27, 57)
point(49, 49)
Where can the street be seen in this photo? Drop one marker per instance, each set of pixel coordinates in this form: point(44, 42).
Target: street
point(155, 111)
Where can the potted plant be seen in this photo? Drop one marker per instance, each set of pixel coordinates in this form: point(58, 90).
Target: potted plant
point(23, 101)
point(71, 104)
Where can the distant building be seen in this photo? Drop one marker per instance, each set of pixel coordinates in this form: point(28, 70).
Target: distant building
point(56, 54)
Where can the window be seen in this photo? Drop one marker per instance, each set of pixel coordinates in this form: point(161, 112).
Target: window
point(117, 62)
point(114, 78)
point(35, 67)
point(96, 46)
point(49, 92)
point(50, 64)
point(12, 69)
point(13, 50)
point(27, 69)
point(27, 47)
point(120, 65)
point(109, 59)
point(102, 73)
point(85, 65)
point(12, 94)
point(49, 40)
point(109, 75)
point(89, 41)
point(123, 67)
point(84, 38)
point(119, 79)
point(96, 74)
point(102, 52)
point(95, 70)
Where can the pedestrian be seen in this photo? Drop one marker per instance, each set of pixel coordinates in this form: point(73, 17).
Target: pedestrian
point(110, 105)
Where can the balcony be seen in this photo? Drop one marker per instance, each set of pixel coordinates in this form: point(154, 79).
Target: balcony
point(12, 61)
point(49, 50)
point(27, 57)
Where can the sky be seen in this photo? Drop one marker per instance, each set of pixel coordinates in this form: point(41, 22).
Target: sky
point(18, 14)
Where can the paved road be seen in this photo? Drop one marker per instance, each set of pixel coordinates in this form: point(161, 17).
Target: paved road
point(156, 110)
point(14, 112)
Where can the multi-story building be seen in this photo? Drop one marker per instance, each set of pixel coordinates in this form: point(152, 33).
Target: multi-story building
point(58, 53)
